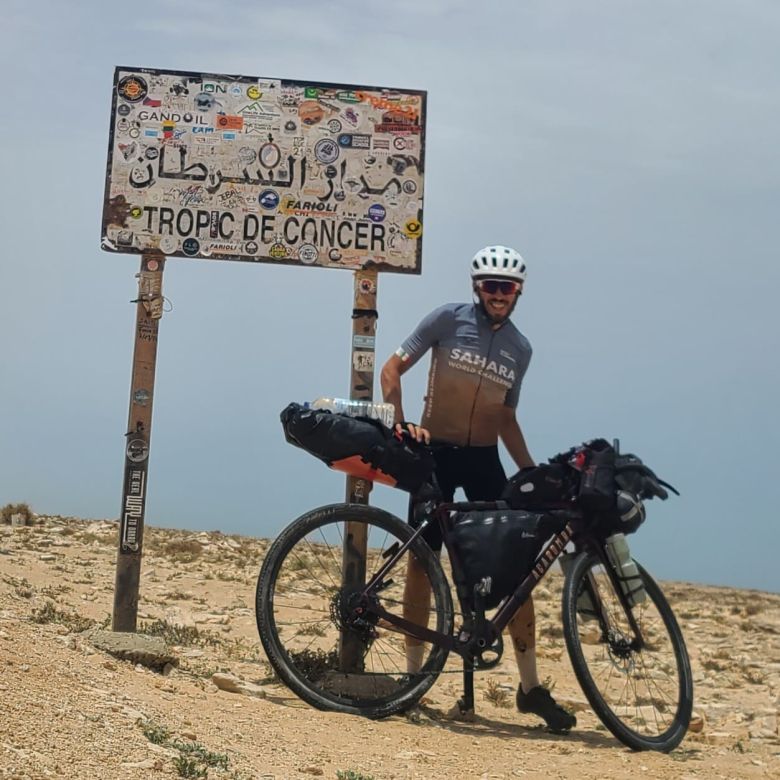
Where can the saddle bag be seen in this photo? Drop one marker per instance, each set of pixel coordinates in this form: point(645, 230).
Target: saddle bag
point(501, 544)
point(359, 446)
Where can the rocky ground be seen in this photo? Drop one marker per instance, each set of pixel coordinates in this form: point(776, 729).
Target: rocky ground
point(70, 710)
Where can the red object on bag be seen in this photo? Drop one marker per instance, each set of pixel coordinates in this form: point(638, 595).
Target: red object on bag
point(355, 466)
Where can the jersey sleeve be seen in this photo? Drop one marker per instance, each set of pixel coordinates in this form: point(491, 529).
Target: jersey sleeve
point(513, 394)
point(431, 329)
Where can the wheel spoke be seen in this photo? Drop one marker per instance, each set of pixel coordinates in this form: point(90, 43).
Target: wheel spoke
point(333, 583)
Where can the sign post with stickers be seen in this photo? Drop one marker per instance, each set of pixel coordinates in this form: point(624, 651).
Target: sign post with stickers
point(139, 425)
point(262, 170)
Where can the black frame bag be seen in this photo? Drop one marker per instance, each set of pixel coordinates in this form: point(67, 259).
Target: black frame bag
point(502, 544)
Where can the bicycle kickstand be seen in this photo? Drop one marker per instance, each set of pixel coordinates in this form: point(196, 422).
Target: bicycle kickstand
point(466, 704)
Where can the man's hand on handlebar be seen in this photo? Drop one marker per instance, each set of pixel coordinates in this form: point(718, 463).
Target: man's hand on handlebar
point(416, 432)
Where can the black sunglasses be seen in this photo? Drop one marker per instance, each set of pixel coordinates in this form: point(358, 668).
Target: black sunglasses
point(492, 286)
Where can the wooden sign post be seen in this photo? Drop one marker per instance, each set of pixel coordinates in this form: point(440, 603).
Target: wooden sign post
point(139, 427)
point(364, 317)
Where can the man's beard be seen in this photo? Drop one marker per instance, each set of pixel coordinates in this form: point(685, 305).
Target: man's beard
point(492, 317)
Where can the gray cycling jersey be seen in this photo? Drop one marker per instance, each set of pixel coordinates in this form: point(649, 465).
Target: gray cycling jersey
point(475, 372)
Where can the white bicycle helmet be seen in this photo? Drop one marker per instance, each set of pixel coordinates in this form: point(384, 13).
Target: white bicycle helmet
point(498, 262)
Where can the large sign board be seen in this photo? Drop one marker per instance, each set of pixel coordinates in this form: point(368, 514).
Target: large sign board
point(265, 170)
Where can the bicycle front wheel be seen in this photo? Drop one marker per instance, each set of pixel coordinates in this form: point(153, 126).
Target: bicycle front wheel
point(324, 638)
point(642, 690)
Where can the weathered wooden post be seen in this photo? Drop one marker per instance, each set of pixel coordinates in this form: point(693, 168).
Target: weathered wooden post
point(149, 310)
point(364, 317)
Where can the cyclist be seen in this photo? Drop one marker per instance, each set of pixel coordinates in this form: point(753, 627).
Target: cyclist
point(478, 362)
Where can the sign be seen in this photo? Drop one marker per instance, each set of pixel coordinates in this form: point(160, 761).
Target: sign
point(265, 170)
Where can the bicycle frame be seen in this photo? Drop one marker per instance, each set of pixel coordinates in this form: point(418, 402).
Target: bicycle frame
point(470, 644)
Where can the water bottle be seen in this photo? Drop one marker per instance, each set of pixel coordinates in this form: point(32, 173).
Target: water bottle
point(385, 413)
point(630, 580)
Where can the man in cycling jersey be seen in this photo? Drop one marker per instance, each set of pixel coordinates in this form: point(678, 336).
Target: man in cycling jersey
point(478, 360)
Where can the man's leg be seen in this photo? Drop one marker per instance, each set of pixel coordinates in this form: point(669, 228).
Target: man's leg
point(485, 482)
point(485, 478)
point(417, 588)
point(522, 630)
point(417, 606)
point(531, 695)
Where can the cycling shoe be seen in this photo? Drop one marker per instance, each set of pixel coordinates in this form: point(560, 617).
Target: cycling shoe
point(539, 701)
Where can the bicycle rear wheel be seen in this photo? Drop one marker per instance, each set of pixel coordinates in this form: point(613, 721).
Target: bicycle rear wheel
point(642, 694)
point(306, 616)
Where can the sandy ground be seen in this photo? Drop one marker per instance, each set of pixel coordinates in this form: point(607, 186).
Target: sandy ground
point(69, 710)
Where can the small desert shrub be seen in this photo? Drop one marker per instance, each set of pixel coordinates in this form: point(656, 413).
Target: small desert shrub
point(312, 629)
point(155, 733)
point(175, 595)
point(187, 767)
point(89, 537)
point(48, 613)
point(241, 650)
point(52, 591)
point(496, 694)
point(198, 753)
point(193, 760)
point(226, 576)
point(351, 774)
point(315, 663)
point(298, 563)
point(16, 509)
point(183, 550)
point(174, 634)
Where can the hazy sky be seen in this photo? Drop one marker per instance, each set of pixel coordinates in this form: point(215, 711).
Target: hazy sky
point(627, 149)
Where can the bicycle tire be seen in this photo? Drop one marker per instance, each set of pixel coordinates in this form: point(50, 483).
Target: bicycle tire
point(302, 640)
point(660, 713)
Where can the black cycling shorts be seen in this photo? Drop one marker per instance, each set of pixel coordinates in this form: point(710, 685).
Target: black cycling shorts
point(477, 470)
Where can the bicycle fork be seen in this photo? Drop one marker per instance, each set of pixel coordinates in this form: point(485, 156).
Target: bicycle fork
point(600, 611)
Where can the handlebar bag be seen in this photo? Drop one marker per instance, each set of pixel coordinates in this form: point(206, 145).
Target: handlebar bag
point(501, 544)
point(598, 488)
point(546, 486)
point(359, 446)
